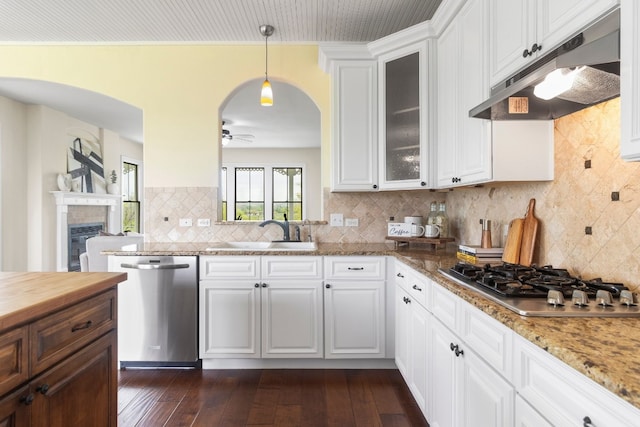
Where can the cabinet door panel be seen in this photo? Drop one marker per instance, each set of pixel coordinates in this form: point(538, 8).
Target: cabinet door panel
point(443, 376)
point(14, 359)
point(13, 411)
point(354, 319)
point(403, 312)
point(229, 319)
point(81, 389)
point(292, 319)
point(419, 349)
point(354, 140)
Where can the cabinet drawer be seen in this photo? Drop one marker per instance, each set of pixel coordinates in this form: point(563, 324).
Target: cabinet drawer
point(402, 273)
point(445, 306)
point(564, 395)
point(291, 267)
point(355, 268)
point(492, 340)
point(56, 336)
point(229, 267)
point(14, 358)
point(418, 288)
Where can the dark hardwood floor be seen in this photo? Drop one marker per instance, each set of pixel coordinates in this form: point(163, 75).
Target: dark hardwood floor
point(277, 397)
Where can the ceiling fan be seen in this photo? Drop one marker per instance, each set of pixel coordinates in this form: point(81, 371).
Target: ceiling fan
point(227, 136)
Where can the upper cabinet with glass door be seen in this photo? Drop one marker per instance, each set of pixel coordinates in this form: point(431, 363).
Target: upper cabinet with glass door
point(402, 91)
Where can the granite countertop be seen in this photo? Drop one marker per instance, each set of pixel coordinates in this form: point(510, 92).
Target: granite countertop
point(603, 349)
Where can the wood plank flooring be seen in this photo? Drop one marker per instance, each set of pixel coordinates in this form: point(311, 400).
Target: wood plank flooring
point(274, 397)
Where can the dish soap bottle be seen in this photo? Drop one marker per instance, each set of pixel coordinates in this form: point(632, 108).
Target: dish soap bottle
point(442, 220)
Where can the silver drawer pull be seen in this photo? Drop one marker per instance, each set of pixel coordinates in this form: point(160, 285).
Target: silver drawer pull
point(154, 266)
point(355, 268)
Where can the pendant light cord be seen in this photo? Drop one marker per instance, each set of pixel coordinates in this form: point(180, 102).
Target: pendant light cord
point(266, 57)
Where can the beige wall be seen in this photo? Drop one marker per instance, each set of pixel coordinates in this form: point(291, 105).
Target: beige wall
point(180, 90)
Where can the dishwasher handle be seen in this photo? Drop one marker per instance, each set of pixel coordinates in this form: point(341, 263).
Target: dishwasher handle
point(154, 266)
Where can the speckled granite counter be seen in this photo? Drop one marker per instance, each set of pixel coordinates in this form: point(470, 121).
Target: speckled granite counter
point(604, 349)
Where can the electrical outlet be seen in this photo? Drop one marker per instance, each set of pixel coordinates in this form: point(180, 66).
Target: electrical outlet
point(351, 222)
point(185, 222)
point(204, 222)
point(336, 220)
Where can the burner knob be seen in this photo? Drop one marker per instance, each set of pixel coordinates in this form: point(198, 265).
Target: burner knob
point(628, 298)
point(580, 298)
point(555, 298)
point(604, 298)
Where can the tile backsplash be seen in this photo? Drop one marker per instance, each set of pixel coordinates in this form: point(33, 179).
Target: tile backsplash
point(578, 197)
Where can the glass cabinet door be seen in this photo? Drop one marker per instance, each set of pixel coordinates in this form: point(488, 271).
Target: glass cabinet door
point(403, 146)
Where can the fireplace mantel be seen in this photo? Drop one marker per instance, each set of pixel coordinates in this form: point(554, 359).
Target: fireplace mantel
point(65, 199)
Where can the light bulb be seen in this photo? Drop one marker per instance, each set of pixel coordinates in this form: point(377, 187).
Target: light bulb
point(266, 94)
point(555, 83)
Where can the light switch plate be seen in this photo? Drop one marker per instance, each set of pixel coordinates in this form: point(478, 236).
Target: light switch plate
point(204, 222)
point(336, 220)
point(185, 222)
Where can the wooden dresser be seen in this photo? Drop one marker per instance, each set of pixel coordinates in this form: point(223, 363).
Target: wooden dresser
point(58, 356)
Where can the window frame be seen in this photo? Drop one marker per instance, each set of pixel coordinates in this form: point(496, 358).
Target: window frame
point(268, 186)
point(140, 190)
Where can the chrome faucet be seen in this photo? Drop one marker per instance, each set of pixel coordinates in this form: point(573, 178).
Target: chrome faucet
point(308, 223)
point(284, 225)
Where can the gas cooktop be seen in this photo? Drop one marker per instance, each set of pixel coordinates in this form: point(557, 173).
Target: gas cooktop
point(545, 291)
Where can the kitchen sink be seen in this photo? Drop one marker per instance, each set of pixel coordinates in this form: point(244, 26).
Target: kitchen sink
point(263, 246)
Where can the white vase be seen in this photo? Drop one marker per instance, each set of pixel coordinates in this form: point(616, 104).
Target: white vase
point(113, 189)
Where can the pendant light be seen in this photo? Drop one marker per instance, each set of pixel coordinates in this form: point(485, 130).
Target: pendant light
point(266, 94)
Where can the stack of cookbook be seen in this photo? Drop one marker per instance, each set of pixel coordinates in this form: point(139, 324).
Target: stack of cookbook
point(479, 256)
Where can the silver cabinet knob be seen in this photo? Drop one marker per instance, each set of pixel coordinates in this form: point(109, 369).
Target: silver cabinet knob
point(555, 298)
point(580, 298)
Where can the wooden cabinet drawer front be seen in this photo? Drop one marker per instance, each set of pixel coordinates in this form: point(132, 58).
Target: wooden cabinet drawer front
point(60, 334)
point(14, 358)
point(354, 268)
point(564, 395)
point(229, 267)
point(291, 267)
point(489, 338)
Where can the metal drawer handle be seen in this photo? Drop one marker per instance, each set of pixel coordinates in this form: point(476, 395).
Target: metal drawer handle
point(81, 326)
point(587, 422)
point(400, 275)
point(417, 288)
point(154, 266)
point(355, 268)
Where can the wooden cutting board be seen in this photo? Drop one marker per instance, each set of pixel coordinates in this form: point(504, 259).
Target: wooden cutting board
point(511, 253)
point(529, 234)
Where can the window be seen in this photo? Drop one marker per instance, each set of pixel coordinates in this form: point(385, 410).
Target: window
point(261, 192)
point(130, 197)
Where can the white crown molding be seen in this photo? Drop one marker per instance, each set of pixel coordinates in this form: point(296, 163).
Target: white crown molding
point(329, 52)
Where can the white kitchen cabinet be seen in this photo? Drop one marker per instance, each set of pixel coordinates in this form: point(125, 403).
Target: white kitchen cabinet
point(465, 389)
point(412, 331)
point(261, 307)
point(403, 131)
point(563, 395)
point(523, 30)
point(355, 315)
point(630, 80)
point(463, 143)
point(354, 140)
point(470, 150)
point(526, 416)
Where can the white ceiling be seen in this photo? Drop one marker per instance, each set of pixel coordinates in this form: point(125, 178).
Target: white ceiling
point(116, 21)
point(191, 21)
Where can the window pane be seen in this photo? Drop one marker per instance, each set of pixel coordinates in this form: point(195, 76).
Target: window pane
point(287, 193)
point(130, 181)
point(249, 194)
point(223, 191)
point(131, 216)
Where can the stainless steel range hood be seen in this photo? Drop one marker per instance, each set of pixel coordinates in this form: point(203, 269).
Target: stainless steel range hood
point(597, 49)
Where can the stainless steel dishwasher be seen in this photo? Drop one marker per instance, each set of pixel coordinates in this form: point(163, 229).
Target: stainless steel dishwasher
point(157, 311)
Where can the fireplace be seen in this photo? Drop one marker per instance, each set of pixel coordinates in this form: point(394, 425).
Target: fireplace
point(78, 235)
point(108, 204)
